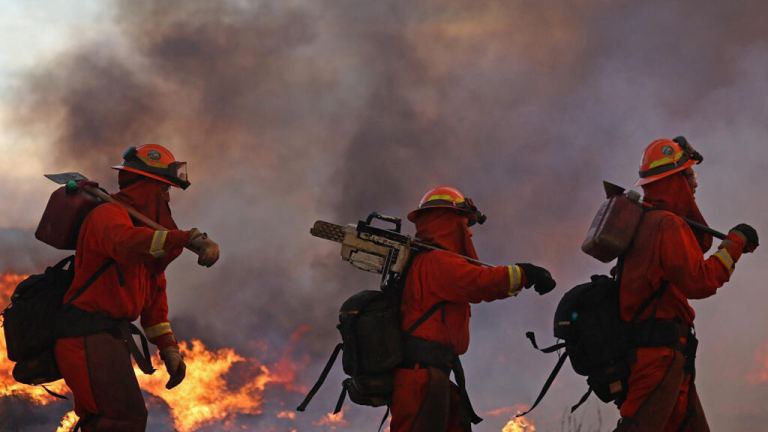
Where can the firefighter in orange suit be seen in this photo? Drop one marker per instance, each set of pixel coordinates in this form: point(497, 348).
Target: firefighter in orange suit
point(666, 267)
point(436, 301)
point(132, 259)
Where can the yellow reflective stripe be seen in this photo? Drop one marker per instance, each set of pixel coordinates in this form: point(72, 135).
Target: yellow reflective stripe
point(158, 330)
point(725, 257)
point(158, 241)
point(515, 279)
point(667, 160)
point(446, 198)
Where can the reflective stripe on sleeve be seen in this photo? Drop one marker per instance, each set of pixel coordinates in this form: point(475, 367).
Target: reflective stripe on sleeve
point(158, 241)
point(515, 279)
point(725, 257)
point(158, 330)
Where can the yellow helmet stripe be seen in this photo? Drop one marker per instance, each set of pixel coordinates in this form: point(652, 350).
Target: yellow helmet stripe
point(152, 163)
point(667, 160)
point(456, 200)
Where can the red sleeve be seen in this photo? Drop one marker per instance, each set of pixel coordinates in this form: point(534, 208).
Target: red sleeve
point(154, 317)
point(454, 279)
point(123, 241)
point(684, 264)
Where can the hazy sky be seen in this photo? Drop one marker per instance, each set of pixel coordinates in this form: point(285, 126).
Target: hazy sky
point(293, 111)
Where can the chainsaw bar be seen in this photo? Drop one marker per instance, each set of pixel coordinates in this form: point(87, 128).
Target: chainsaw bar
point(328, 231)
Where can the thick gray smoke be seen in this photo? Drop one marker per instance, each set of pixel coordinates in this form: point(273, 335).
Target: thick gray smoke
point(293, 111)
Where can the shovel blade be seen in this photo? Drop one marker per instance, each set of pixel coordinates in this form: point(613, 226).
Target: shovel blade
point(63, 178)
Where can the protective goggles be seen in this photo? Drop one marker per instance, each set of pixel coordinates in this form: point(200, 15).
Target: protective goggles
point(175, 172)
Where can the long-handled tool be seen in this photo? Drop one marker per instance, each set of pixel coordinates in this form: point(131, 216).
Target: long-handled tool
point(65, 178)
point(612, 190)
point(376, 250)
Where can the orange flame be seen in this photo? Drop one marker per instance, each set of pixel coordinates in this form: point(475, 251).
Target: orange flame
point(68, 422)
point(332, 420)
point(519, 424)
point(203, 399)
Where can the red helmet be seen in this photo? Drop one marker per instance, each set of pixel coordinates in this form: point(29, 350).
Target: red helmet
point(157, 162)
point(664, 157)
point(448, 197)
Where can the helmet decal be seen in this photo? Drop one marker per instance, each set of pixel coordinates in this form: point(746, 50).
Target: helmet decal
point(668, 150)
point(154, 155)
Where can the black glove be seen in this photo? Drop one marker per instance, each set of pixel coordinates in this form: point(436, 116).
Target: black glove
point(753, 241)
point(539, 278)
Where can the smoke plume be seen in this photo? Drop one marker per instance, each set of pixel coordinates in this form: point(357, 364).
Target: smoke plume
point(293, 111)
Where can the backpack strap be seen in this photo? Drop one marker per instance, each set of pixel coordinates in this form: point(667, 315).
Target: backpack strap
point(104, 267)
point(322, 378)
point(549, 382)
point(143, 361)
point(431, 311)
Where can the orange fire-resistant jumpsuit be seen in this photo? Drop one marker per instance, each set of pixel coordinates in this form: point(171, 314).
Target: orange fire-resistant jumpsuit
point(424, 399)
point(97, 368)
point(660, 392)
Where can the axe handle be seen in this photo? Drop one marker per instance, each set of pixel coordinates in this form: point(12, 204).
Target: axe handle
point(98, 193)
point(706, 229)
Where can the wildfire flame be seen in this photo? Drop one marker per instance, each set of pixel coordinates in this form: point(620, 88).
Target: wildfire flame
point(519, 424)
point(203, 399)
point(68, 422)
point(332, 420)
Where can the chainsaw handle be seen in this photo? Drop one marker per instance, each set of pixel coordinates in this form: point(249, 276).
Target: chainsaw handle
point(391, 219)
point(98, 193)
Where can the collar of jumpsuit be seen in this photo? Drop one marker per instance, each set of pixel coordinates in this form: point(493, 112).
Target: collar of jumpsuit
point(446, 228)
point(673, 194)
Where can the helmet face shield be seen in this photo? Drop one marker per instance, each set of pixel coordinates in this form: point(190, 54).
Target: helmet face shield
point(180, 172)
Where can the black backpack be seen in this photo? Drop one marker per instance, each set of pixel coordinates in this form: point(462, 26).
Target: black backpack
point(598, 342)
point(372, 344)
point(32, 321)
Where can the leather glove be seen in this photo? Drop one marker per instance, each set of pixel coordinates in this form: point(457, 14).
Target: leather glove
point(539, 278)
point(174, 364)
point(749, 233)
point(208, 250)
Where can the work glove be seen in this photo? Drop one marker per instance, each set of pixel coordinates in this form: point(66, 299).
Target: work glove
point(174, 364)
point(538, 277)
point(750, 235)
point(208, 250)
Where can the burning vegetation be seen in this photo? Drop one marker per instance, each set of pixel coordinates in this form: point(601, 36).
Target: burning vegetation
point(220, 384)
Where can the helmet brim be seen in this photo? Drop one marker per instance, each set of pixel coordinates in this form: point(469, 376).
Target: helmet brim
point(146, 174)
point(653, 178)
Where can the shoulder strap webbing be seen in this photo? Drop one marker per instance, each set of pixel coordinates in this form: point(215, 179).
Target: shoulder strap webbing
point(582, 400)
point(431, 311)
point(648, 301)
point(91, 280)
point(143, 361)
point(320, 380)
point(549, 382)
